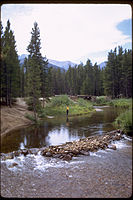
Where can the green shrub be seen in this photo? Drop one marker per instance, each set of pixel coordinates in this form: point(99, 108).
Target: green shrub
point(84, 103)
point(101, 100)
point(30, 117)
point(29, 102)
point(124, 121)
point(126, 103)
point(61, 100)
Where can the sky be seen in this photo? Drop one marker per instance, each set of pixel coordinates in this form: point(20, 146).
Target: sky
point(71, 32)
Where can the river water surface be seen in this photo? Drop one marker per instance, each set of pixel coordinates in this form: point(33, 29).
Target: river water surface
point(106, 173)
point(58, 130)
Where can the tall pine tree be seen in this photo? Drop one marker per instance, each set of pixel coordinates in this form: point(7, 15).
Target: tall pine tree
point(118, 73)
point(34, 69)
point(10, 71)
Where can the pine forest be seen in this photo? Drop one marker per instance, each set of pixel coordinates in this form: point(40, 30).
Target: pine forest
point(35, 79)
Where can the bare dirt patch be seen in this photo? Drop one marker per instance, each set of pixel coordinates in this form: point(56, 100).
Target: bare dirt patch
point(12, 118)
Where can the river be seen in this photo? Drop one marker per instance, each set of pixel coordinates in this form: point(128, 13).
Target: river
point(103, 174)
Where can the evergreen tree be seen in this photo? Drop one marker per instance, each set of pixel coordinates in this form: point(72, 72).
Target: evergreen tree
point(88, 82)
point(49, 83)
point(101, 82)
point(96, 88)
point(24, 78)
point(43, 76)
point(119, 70)
point(34, 69)
point(10, 67)
point(63, 89)
point(110, 75)
point(80, 77)
point(126, 76)
point(118, 73)
point(58, 81)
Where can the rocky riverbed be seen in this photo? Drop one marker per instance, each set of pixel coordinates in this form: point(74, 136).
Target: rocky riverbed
point(104, 174)
point(71, 149)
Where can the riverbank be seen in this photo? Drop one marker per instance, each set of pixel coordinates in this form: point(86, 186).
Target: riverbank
point(14, 118)
point(124, 120)
point(19, 116)
point(58, 105)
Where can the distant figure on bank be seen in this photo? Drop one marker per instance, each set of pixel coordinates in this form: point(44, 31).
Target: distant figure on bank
point(67, 110)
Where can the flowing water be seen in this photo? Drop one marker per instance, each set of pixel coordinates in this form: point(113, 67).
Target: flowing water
point(58, 130)
point(106, 173)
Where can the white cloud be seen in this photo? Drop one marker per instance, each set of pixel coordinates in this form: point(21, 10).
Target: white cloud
point(68, 32)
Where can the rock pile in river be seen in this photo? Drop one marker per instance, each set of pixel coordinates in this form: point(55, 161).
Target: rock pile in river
point(79, 147)
point(83, 146)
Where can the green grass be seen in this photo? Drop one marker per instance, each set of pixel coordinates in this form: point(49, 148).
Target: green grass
point(60, 101)
point(58, 104)
point(81, 107)
point(125, 103)
point(101, 100)
point(124, 122)
point(30, 117)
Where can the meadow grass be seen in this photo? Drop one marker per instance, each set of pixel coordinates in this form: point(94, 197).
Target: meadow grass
point(124, 122)
point(57, 106)
point(126, 103)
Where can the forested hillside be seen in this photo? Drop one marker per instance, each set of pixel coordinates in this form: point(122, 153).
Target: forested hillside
point(35, 79)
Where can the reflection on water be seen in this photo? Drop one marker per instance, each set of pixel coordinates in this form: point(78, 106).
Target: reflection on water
point(60, 130)
point(61, 135)
point(23, 144)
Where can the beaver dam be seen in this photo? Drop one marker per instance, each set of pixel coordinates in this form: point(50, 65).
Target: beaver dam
point(83, 146)
point(70, 149)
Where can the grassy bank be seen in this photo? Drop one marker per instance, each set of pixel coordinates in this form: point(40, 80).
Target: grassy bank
point(124, 120)
point(103, 100)
point(125, 103)
point(57, 106)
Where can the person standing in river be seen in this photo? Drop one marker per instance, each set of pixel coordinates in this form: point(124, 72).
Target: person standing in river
point(67, 110)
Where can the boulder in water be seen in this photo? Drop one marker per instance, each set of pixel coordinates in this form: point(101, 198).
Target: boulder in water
point(112, 146)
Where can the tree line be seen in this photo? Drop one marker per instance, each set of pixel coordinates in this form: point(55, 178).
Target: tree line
point(35, 79)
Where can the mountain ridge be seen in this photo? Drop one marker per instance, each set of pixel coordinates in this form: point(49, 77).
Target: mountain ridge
point(102, 64)
point(59, 64)
point(51, 63)
point(63, 64)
